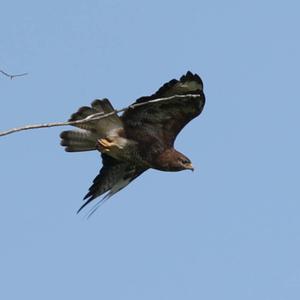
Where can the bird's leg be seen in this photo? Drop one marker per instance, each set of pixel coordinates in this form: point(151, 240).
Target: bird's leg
point(108, 144)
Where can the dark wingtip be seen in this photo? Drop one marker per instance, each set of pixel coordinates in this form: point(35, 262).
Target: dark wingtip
point(86, 202)
point(98, 102)
point(88, 198)
point(95, 102)
point(189, 76)
point(89, 194)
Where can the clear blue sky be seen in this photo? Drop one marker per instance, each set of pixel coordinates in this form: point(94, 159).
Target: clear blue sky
point(230, 230)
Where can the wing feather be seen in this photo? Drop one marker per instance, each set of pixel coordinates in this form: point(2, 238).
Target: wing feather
point(113, 176)
point(161, 122)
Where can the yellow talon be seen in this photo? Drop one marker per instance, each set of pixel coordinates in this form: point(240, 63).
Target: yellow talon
point(106, 144)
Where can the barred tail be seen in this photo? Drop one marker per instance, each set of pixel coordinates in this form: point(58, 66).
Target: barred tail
point(86, 138)
point(76, 141)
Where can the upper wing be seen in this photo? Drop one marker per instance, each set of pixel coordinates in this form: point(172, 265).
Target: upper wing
point(113, 176)
point(162, 121)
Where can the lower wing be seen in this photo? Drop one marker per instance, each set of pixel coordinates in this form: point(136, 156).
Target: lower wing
point(113, 176)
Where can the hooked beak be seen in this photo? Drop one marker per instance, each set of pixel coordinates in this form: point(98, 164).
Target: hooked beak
point(190, 167)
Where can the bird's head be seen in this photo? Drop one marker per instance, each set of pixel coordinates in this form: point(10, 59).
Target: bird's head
point(172, 160)
point(184, 163)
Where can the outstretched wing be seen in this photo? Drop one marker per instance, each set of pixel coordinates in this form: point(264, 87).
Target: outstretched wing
point(113, 176)
point(162, 121)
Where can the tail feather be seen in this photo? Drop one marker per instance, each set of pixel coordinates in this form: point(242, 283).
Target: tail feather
point(102, 105)
point(79, 148)
point(86, 138)
point(76, 141)
point(82, 113)
point(78, 136)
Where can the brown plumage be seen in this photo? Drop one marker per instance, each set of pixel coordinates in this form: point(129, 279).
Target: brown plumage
point(142, 138)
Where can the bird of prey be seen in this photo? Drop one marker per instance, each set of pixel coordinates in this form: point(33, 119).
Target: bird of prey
point(141, 138)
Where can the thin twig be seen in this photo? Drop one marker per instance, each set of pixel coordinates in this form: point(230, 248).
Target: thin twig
point(93, 117)
point(12, 76)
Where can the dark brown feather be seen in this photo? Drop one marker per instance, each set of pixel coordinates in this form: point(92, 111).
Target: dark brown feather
point(113, 176)
point(159, 123)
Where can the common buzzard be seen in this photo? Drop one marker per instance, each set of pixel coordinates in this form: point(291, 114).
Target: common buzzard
point(141, 138)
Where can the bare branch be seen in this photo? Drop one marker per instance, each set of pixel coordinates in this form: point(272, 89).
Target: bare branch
point(93, 117)
point(12, 76)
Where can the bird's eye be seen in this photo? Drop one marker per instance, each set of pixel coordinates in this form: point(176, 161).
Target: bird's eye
point(185, 161)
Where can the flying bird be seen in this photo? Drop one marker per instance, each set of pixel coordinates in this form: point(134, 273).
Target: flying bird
point(141, 138)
